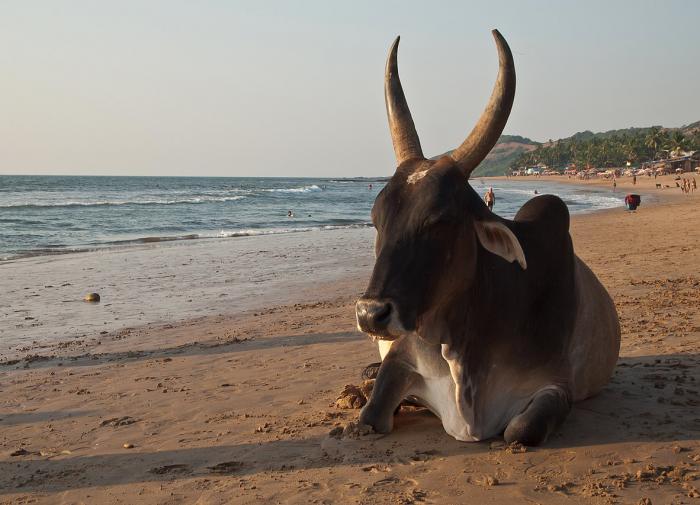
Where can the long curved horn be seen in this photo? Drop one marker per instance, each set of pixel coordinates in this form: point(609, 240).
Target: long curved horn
point(492, 121)
point(403, 131)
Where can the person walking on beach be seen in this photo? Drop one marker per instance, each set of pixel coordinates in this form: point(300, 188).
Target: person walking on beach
point(490, 199)
point(634, 180)
point(695, 185)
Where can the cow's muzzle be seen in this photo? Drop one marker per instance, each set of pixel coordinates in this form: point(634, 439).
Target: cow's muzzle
point(378, 318)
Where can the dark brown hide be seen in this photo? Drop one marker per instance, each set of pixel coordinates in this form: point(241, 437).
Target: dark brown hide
point(496, 325)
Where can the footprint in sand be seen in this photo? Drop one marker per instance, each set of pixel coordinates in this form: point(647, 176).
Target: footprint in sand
point(226, 468)
point(168, 469)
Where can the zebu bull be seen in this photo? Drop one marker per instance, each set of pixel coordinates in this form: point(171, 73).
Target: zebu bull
point(494, 325)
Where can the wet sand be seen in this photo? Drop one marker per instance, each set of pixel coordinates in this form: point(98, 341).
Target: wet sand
point(238, 409)
point(42, 297)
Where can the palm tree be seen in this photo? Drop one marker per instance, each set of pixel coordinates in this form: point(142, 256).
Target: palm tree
point(678, 142)
point(654, 139)
point(629, 149)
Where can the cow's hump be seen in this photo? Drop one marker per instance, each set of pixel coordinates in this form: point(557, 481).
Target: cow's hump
point(547, 212)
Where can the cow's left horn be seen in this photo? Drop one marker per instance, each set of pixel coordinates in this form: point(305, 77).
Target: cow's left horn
point(492, 121)
point(403, 131)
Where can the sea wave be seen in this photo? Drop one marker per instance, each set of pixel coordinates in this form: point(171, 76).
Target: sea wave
point(152, 240)
point(303, 189)
point(149, 240)
point(277, 231)
point(110, 203)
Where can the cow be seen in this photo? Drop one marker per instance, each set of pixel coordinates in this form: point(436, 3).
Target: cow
point(494, 325)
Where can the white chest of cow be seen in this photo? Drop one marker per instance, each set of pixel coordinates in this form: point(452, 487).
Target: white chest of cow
point(438, 386)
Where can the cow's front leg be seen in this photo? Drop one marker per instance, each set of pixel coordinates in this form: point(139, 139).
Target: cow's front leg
point(391, 386)
point(545, 412)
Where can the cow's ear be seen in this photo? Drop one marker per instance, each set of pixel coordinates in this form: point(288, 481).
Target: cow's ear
point(498, 239)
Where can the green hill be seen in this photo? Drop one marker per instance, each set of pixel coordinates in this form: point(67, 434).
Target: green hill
point(588, 135)
point(613, 148)
point(609, 148)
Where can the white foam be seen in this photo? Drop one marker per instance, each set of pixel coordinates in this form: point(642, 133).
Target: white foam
point(303, 189)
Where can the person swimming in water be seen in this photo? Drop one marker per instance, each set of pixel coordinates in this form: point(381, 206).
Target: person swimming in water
point(290, 214)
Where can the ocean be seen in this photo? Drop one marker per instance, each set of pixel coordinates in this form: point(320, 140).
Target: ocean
point(45, 215)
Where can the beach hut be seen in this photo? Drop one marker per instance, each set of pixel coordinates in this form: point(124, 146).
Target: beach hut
point(686, 163)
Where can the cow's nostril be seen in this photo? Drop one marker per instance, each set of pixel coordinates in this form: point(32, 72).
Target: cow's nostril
point(373, 315)
point(381, 313)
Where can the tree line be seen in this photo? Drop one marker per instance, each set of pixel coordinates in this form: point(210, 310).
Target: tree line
point(610, 151)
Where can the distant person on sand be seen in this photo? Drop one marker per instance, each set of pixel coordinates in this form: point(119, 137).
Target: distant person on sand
point(634, 180)
point(614, 184)
point(695, 185)
point(490, 199)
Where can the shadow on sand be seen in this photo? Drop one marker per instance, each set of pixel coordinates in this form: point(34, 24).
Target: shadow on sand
point(651, 399)
point(191, 349)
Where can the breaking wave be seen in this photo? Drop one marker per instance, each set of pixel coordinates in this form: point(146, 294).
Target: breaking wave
point(303, 189)
point(223, 234)
point(278, 231)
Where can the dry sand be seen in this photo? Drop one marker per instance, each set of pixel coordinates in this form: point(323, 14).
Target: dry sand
point(238, 409)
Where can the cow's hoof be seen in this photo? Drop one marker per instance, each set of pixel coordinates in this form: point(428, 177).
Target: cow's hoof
point(522, 430)
point(371, 418)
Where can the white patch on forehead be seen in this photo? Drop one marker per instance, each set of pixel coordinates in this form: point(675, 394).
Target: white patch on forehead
point(416, 176)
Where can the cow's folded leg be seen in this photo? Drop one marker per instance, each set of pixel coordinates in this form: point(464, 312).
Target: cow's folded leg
point(390, 388)
point(370, 372)
point(545, 412)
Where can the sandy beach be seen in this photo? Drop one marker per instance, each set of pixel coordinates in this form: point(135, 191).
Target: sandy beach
point(209, 407)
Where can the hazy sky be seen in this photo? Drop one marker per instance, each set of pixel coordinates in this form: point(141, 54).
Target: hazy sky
point(295, 88)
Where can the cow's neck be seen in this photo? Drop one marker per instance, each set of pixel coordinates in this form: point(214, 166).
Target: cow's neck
point(469, 317)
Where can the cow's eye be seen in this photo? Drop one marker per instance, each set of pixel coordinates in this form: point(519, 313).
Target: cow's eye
point(435, 220)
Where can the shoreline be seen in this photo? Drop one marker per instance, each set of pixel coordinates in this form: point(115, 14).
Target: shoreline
point(645, 185)
point(155, 241)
